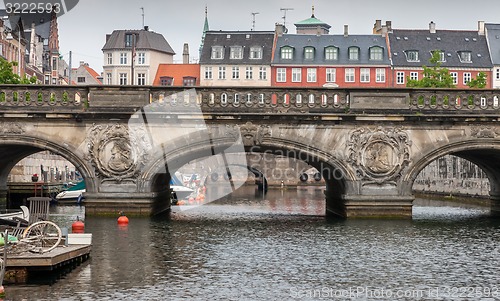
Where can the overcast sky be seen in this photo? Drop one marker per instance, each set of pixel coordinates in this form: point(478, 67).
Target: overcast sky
point(83, 30)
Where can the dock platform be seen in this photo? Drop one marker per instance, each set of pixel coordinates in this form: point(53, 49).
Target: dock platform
point(21, 267)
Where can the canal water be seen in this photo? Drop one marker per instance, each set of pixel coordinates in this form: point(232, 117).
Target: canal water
point(281, 247)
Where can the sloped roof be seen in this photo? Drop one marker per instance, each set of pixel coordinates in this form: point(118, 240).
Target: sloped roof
point(146, 40)
point(312, 21)
point(493, 35)
point(177, 72)
point(245, 39)
point(93, 73)
point(299, 41)
point(449, 41)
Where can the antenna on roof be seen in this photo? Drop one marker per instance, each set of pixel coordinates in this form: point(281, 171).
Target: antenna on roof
point(142, 8)
point(253, 20)
point(284, 10)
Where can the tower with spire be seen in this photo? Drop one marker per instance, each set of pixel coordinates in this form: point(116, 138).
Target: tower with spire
point(312, 26)
point(205, 29)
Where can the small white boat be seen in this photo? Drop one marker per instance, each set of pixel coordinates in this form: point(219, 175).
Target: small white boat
point(181, 192)
point(70, 194)
point(24, 213)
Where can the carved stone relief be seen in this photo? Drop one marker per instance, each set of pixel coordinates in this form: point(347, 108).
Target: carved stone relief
point(118, 152)
point(484, 132)
point(379, 155)
point(252, 134)
point(11, 128)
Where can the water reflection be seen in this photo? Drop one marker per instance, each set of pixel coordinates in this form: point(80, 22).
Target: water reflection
point(248, 247)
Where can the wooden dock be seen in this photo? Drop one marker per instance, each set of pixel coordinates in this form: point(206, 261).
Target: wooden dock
point(21, 267)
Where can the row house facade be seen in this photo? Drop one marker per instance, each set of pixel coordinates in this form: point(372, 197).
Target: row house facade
point(492, 32)
point(236, 58)
point(132, 57)
point(464, 53)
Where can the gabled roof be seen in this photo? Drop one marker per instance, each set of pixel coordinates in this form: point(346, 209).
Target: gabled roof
point(493, 36)
point(177, 72)
point(93, 73)
point(146, 40)
point(450, 41)
point(245, 39)
point(299, 41)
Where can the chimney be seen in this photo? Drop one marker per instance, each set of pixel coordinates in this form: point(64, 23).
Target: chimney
point(279, 29)
point(377, 26)
point(82, 63)
point(146, 28)
point(384, 31)
point(480, 28)
point(432, 27)
point(346, 31)
point(388, 24)
point(185, 54)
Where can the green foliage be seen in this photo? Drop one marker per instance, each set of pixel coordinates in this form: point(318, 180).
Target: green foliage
point(434, 76)
point(7, 76)
point(479, 81)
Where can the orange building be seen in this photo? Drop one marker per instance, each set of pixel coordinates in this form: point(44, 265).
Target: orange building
point(178, 75)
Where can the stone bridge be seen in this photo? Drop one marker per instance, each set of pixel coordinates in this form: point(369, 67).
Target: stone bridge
point(369, 144)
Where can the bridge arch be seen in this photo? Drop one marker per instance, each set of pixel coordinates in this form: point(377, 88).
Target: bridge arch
point(14, 149)
point(484, 153)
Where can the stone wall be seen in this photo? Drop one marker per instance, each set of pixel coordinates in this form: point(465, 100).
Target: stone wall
point(56, 169)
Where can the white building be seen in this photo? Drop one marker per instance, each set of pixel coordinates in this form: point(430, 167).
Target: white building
point(132, 57)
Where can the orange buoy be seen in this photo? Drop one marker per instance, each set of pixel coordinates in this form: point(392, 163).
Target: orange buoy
point(122, 220)
point(78, 226)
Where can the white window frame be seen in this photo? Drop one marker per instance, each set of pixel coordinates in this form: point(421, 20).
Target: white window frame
point(281, 75)
point(235, 72)
point(454, 75)
point(467, 77)
point(331, 53)
point(412, 56)
point(222, 72)
point(312, 75)
point(236, 52)
point(364, 75)
point(286, 53)
point(141, 58)
point(376, 53)
point(141, 79)
point(109, 78)
point(296, 75)
point(380, 75)
point(123, 58)
point(123, 79)
point(309, 53)
point(249, 72)
point(497, 73)
point(217, 53)
point(331, 75)
point(255, 53)
point(353, 53)
point(350, 75)
point(414, 75)
point(465, 56)
point(208, 73)
point(400, 78)
point(110, 59)
point(263, 73)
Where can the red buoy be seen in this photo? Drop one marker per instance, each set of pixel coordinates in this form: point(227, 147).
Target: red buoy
point(78, 226)
point(122, 220)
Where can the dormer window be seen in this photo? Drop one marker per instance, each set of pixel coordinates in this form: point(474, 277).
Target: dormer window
point(412, 56)
point(465, 56)
point(286, 53)
point(442, 56)
point(331, 53)
point(217, 52)
point(353, 53)
point(256, 53)
point(309, 53)
point(376, 53)
point(236, 52)
point(129, 40)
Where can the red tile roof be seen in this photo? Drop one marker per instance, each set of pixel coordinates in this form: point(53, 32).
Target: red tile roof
point(177, 72)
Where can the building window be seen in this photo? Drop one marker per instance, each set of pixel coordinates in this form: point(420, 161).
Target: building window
point(81, 79)
point(123, 58)
point(454, 75)
point(281, 75)
point(354, 53)
point(208, 73)
point(217, 53)
point(465, 56)
point(442, 57)
point(166, 81)
point(497, 73)
point(400, 78)
point(331, 53)
point(311, 75)
point(123, 79)
point(110, 59)
point(236, 73)
point(287, 53)
point(141, 79)
point(188, 81)
point(249, 73)
point(364, 75)
point(54, 63)
point(380, 75)
point(262, 73)
point(141, 58)
point(412, 56)
point(236, 52)
point(376, 53)
point(331, 76)
point(414, 75)
point(109, 78)
point(129, 40)
point(256, 53)
point(349, 75)
point(309, 53)
point(467, 77)
point(296, 75)
point(222, 72)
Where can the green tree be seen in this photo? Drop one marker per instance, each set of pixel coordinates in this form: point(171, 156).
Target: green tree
point(479, 81)
point(7, 76)
point(434, 76)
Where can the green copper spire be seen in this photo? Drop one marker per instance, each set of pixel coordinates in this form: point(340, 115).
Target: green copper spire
point(205, 29)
